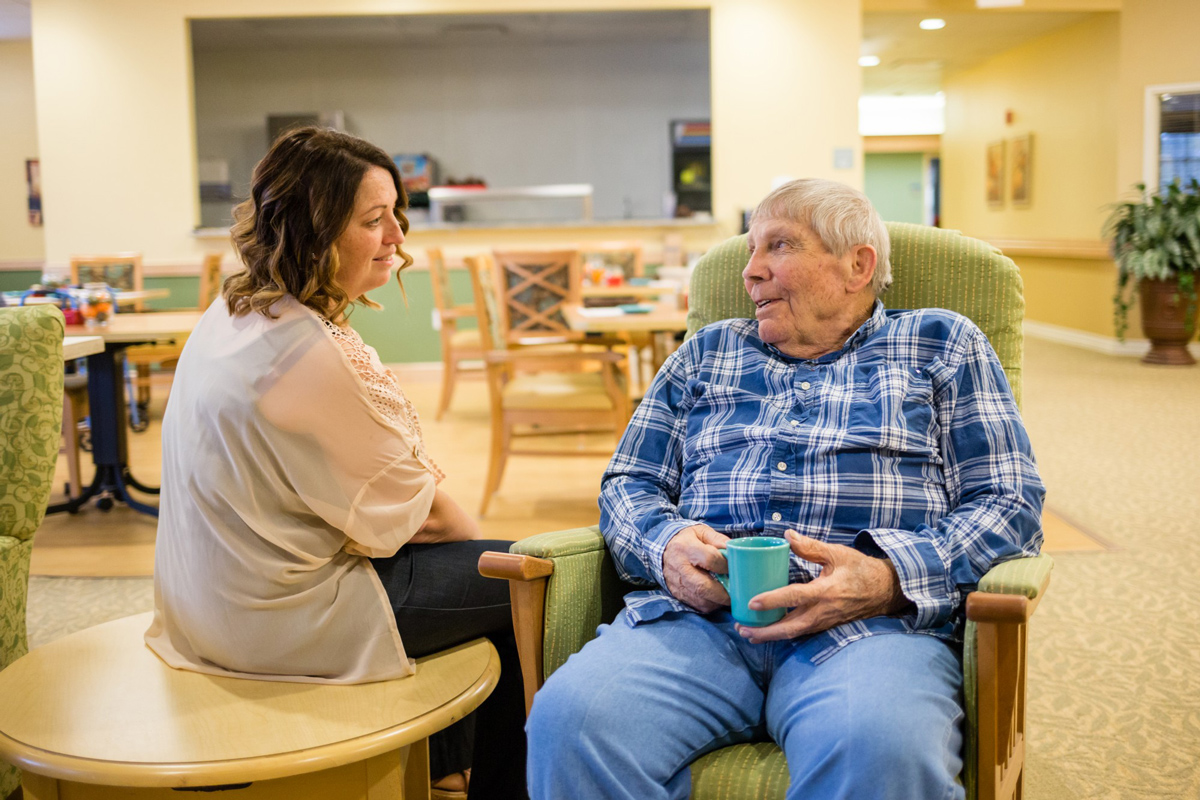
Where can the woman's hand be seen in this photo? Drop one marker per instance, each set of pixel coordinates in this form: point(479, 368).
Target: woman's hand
point(447, 522)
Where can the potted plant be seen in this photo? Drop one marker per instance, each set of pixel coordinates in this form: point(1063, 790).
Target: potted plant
point(1156, 244)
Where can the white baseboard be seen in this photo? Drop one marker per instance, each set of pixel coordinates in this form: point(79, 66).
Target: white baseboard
point(1093, 341)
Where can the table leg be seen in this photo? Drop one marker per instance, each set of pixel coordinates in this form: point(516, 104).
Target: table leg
point(106, 372)
point(416, 771)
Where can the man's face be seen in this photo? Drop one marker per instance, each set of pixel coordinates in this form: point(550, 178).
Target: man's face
point(801, 290)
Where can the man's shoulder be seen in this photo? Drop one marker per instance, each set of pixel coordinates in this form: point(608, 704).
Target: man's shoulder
point(930, 325)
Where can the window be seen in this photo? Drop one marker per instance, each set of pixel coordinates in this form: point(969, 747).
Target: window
point(1179, 138)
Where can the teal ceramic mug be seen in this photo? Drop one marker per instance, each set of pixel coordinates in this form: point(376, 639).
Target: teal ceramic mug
point(757, 564)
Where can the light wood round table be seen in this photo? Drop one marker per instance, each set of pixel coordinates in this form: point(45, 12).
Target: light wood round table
point(98, 710)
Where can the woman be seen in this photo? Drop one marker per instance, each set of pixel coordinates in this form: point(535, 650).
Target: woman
point(302, 535)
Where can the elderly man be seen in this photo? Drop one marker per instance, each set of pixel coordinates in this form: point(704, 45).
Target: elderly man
point(887, 447)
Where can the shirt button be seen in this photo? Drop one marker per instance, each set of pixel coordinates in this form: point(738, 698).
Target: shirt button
point(782, 466)
point(795, 422)
point(805, 385)
point(777, 516)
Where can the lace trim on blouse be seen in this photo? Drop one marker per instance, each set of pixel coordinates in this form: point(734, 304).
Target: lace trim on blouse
point(383, 389)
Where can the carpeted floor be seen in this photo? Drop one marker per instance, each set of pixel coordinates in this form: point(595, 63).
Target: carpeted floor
point(1113, 710)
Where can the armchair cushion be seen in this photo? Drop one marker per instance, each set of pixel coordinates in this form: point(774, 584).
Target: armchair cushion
point(466, 340)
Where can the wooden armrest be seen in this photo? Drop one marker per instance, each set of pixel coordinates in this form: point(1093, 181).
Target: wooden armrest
point(988, 607)
point(527, 577)
point(514, 567)
point(458, 312)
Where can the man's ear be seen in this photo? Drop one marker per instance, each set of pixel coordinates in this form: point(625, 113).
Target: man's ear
point(863, 259)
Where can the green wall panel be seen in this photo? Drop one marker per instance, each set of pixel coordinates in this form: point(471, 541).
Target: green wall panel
point(400, 332)
point(895, 183)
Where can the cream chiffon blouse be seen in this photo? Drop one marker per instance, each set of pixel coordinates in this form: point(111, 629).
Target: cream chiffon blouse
point(290, 456)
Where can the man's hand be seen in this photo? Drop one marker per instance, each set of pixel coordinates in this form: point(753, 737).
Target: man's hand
point(689, 558)
point(851, 586)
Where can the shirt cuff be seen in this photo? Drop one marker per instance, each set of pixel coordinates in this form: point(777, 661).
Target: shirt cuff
point(654, 545)
point(923, 573)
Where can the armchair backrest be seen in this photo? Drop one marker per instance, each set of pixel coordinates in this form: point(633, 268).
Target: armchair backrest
point(439, 279)
point(931, 268)
point(625, 256)
point(210, 280)
point(121, 271)
point(491, 335)
point(531, 289)
point(31, 413)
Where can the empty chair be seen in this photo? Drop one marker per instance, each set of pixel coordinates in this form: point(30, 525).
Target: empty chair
point(458, 346)
point(538, 390)
point(624, 256)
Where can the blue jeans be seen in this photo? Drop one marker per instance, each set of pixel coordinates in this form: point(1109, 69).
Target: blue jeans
point(626, 715)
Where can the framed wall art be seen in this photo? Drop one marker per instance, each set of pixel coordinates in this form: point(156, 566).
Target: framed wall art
point(1021, 169)
point(995, 174)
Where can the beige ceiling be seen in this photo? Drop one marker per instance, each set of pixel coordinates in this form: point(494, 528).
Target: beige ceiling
point(915, 61)
point(440, 30)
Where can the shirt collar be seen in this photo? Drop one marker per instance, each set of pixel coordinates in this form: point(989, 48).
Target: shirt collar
point(873, 324)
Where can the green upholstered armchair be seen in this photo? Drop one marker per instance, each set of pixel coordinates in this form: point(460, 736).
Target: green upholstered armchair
point(31, 412)
point(564, 584)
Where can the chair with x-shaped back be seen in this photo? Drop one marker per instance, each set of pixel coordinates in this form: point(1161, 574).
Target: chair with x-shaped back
point(540, 389)
point(533, 286)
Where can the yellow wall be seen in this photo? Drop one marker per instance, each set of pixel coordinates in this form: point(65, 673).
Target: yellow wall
point(127, 180)
point(20, 242)
point(1158, 46)
point(1063, 89)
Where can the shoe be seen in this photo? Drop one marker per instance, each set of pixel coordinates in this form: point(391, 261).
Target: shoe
point(451, 787)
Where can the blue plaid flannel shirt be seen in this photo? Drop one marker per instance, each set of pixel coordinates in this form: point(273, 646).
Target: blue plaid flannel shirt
point(907, 443)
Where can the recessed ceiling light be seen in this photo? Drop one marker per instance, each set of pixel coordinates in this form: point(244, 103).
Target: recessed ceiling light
point(933, 24)
point(868, 61)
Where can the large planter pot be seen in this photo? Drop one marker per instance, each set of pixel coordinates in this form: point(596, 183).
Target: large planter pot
point(1164, 321)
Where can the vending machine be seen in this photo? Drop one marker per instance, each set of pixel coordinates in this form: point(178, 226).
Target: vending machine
point(691, 166)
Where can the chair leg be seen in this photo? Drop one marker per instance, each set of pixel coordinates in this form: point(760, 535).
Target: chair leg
point(70, 429)
point(499, 456)
point(449, 373)
point(143, 385)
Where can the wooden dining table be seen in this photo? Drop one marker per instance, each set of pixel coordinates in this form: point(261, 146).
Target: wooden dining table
point(659, 321)
point(106, 397)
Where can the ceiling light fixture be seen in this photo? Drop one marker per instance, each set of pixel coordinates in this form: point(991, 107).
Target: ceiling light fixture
point(933, 24)
point(868, 61)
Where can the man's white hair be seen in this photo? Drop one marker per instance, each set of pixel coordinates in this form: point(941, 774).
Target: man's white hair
point(839, 216)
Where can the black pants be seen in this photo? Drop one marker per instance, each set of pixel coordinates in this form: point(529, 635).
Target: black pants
point(441, 600)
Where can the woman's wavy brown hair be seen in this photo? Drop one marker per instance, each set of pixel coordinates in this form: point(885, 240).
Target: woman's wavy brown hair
point(301, 200)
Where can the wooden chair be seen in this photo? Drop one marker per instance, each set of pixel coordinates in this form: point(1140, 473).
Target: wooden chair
point(75, 411)
point(533, 287)
point(625, 256)
point(564, 585)
point(123, 271)
point(210, 280)
point(458, 346)
point(539, 390)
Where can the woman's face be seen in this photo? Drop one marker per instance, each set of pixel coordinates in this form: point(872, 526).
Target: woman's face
point(366, 249)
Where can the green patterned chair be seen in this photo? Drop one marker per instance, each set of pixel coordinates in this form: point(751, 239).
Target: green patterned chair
point(564, 584)
point(31, 412)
